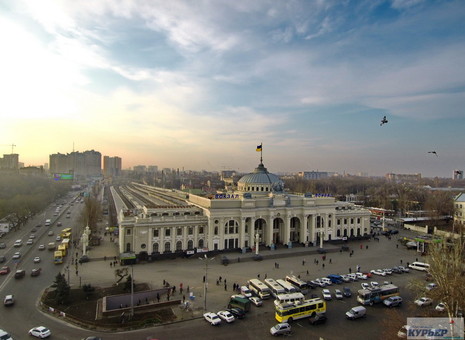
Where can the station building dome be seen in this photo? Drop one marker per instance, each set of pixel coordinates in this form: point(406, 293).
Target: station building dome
point(260, 181)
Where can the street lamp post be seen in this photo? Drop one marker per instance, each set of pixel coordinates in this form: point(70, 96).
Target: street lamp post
point(132, 291)
point(205, 283)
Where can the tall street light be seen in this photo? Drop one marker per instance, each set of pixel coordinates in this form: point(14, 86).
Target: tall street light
point(205, 282)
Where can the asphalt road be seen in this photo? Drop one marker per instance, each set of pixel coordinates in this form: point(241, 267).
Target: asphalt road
point(25, 314)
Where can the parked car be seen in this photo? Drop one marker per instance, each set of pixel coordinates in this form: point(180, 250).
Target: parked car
point(431, 286)
point(338, 294)
point(402, 333)
point(319, 283)
point(5, 270)
point(2, 245)
point(280, 328)
point(365, 285)
point(379, 272)
point(327, 294)
point(317, 319)
point(404, 269)
point(256, 301)
point(237, 312)
point(226, 316)
point(441, 307)
point(424, 301)
point(40, 332)
point(388, 271)
point(347, 292)
point(374, 284)
point(212, 318)
point(393, 301)
point(361, 276)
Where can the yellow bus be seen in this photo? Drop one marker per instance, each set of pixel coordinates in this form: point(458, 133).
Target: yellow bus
point(65, 231)
point(62, 249)
point(65, 242)
point(299, 310)
point(57, 257)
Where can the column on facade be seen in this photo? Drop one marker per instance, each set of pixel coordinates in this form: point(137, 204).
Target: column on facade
point(287, 229)
point(161, 240)
point(311, 231)
point(252, 232)
point(269, 231)
point(242, 233)
point(303, 229)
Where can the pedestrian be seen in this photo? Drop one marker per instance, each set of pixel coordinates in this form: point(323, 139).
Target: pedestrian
point(224, 281)
point(330, 261)
point(225, 286)
point(164, 282)
point(303, 262)
point(323, 265)
point(408, 263)
point(183, 298)
point(266, 276)
point(204, 279)
point(350, 270)
point(220, 278)
point(397, 246)
point(258, 275)
point(366, 246)
point(400, 261)
point(317, 262)
point(278, 265)
point(111, 264)
point(188, 289)
point(77, 272)
point(307, 271)
point(158, 297)
point(416, 259)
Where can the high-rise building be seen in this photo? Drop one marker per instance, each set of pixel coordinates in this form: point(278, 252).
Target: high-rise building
point(111, 166)
point(81, 164)
point(10, 162)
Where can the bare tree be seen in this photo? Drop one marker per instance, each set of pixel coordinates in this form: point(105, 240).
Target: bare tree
point(91, 213)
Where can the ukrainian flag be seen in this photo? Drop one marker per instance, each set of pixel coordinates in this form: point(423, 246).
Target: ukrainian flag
point(259, 148)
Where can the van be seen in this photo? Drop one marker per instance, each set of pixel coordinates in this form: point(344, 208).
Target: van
point(420, 266)
point(356, 312)
point(246, 291)
point(48, 222)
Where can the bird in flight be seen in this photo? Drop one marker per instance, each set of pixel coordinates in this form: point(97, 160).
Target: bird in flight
point(383, 121)
point(433, 152)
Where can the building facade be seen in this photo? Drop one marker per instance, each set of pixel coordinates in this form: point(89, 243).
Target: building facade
point(459, 211)
point(81, 164)
point(112, 166)
point(259, 210)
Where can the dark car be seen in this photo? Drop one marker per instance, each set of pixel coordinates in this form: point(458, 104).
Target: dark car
point(322, 251)
point(2, 258)
point(237, 312)
point(36, 271)
point(20, 273)
point(346, 292)
point(311, 284)
point(393, 231)
point(84, 258)
point(317, 319)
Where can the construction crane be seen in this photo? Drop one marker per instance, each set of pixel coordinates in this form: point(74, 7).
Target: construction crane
point(12, 147)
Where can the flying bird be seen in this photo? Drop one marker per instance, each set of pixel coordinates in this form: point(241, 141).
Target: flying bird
point(433, 152)
point(383, 121)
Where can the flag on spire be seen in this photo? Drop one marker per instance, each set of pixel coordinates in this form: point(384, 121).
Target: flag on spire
point(259, 148)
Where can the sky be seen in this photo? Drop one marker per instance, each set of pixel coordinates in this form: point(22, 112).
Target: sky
point(199, 84)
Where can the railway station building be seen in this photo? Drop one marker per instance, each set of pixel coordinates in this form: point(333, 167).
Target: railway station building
point(258, 210)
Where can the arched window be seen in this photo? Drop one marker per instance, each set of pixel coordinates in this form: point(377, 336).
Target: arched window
point(128, 247)
point(178, 246)
point(216, 230)
point(201, 243)
point(190, 244)
point(155, 247)
point(167, 246)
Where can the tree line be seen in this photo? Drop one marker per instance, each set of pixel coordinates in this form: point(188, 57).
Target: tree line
point(21, 197)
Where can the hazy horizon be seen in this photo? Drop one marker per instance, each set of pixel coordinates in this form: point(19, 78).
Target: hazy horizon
point(198, 85)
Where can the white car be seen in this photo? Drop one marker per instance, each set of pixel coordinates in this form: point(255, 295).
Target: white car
point(353, 277)
point(40, 332)
point(338, 294)
point(388, 271)
point(326, 281)
point(256, 301)
point(374, 284)
point(404, 269)
point(378, 272)
point(226, 316)
point(346, 278)
point(431, 286)
point(441, 307)
point(41, 247)
point(327, 294)
point(36, 259)
point(424, 301)
point(30, 241)
point(16, 255)
point(212, 318)
point(319, 283)
point(365, 285)
point(361, 276)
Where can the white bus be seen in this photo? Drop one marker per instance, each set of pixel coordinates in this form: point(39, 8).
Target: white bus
point(48, 222)
point(285, 299)
point(295, 281)
point(276, 288)
point(420, 266)
point(287, 286)
point(259, 289)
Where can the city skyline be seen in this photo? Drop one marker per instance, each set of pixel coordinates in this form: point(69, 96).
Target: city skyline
point(200, 85)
